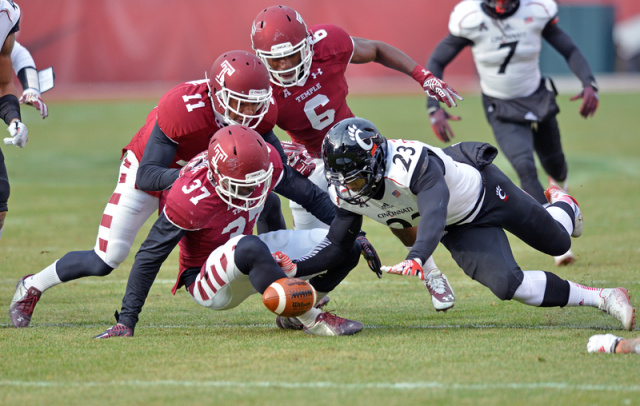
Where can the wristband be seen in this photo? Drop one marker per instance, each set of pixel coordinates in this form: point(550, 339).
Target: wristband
point(9, 108)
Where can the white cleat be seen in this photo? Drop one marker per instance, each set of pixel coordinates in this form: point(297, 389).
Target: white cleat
point(616, 303)
point(442, 295)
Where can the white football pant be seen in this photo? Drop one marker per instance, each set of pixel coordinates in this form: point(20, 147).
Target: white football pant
point(220, 284)
point(302, 219)
point(125, 213)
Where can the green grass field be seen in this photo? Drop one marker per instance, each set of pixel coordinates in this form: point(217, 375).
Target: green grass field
point(482, 352)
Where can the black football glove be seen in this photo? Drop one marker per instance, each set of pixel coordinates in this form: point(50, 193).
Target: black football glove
point(370, 255)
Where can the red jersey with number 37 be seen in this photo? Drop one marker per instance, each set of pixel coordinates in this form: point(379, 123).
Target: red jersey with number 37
point(308, 111)
point(193, 205)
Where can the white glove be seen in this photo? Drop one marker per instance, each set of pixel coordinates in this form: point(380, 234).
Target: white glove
point(603, 343)
point(19, 134)
point(32, 97)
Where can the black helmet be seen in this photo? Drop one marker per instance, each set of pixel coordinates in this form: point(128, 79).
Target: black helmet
point(354, 153)
point(501, 8)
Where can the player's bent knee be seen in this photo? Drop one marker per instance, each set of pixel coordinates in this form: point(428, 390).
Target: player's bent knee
point(116, 254)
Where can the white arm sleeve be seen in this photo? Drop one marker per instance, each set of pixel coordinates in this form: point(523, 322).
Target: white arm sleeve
point(21, 58)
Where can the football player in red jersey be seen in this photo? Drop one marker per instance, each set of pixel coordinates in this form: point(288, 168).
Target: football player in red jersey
point(307, 68)
point(210, 212)
point(175, 131)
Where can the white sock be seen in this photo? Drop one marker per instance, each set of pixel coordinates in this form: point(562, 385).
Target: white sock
point(583, 295)
point(561, 217)
point(531, 290)
point(44, 279)
point(1, 231)
point(309, 318)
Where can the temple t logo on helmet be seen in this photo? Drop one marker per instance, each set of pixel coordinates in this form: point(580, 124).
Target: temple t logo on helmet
point(225, 70)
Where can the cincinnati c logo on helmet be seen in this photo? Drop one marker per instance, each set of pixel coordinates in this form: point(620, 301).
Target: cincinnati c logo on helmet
point(227, 69)
point(219, 155)
point(355, 134)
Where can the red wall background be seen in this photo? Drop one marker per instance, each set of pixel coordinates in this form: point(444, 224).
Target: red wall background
point(153, 41)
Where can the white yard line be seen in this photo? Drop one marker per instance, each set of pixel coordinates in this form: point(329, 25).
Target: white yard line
point(333, 385)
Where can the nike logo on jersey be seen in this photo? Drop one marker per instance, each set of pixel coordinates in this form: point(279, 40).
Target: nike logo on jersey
point(501, 194)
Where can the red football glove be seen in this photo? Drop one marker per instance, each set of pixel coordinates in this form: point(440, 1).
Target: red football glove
point(33, 98)
point(298, 158)
point(195, 161)
point(440, 126)
point(288, 266)
point(435, 88)
point(408, 267)
point(589, 98)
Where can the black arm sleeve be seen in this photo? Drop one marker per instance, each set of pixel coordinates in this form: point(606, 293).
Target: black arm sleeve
point(433, 197)
point(562, 42)
point(272, 139)
point(444, 53)
point(154, 172)
point(162, 239)
point(339, 241)
point(301, 190)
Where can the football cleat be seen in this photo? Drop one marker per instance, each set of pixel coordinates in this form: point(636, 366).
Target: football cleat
point(119, 330)
point(603, 343)
point(442, 295)
point(292, 323)
point(23, 303)
point(555, 193)
point(616, 303)
point(565, 259)
point(328, 324)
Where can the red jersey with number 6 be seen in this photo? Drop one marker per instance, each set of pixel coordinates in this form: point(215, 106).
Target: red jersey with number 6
point(185, 115)
point(193, 205)
point(308, 111)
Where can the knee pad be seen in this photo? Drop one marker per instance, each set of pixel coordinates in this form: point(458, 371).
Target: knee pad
point(117, 253)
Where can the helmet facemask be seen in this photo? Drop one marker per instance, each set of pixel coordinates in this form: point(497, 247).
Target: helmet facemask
point(244, 194)
point(226, 101)
point(502, 8)
point(356, 180)
point(292, 76)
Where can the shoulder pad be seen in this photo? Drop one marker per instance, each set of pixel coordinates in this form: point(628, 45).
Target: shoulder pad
point(330, 40)
point(466, 16)
point(541, 9)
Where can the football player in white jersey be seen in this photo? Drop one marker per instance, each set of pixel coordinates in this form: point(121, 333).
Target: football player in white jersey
point(9, 104)
point(458, 197)
point(505, 37)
